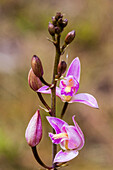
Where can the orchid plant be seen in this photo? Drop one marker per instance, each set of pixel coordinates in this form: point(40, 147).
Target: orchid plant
point(69, 137)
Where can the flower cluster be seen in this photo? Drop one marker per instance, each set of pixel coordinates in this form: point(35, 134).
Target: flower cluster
point(69, 137)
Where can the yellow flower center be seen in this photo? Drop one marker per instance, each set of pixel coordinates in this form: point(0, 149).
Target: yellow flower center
point(67, 89)
point(60, 135)
point(67, 98)
point(66, 144)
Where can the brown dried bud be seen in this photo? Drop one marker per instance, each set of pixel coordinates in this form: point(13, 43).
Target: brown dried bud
point(70, 36)
point(51, 29)
point(33, 81)
point(61, 68)
point(37, 66)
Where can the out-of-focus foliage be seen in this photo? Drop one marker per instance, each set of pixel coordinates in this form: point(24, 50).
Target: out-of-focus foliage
point(23, 32)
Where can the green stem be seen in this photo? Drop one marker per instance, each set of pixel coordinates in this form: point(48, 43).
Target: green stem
point(53, 92)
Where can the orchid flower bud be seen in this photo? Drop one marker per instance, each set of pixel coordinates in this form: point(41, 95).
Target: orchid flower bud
point(65, 22)
point(33, 81)
point(69, 37)
point(58, 15)
point(51, 29)
point(61, 67)
point(54, 22)
point(58, 30)
point(33, 132)
point(60, 21)
point(37, 66)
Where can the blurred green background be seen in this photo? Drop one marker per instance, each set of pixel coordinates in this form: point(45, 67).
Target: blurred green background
point(23, 33)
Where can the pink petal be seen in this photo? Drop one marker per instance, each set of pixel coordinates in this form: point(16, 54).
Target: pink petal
point(86, 99)
point(44, 90)
point(75, 140)
point(65, 156)
point(62, 145)
point(56, 123)
point(74, 69)
point(77, 126)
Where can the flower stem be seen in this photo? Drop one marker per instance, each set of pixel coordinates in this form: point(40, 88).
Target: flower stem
point(53, 91)
point(44, 82)
point(35, 153)
point(64, 109)
point(44, 102)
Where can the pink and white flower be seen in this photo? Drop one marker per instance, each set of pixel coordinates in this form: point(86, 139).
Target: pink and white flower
point(70, 138)
point(69, 86)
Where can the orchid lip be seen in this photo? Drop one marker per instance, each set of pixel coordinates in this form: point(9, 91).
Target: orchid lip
point(60, 135)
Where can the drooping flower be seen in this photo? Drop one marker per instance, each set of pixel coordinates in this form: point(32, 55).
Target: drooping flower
point(70, 138)
point(69, 86)
point(33, 132)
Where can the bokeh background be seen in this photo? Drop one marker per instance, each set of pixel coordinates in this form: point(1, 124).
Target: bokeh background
point(23, 33)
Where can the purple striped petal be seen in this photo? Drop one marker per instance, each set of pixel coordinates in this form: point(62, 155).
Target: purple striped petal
point(86, 99)
point(65, 156)
point(74, 69)
point(77, 126)
point(56, 123)
point(44, 90)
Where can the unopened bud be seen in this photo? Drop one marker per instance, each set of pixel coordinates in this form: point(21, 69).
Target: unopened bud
point(37, 66)
point(58, 15)
point(54, 22)
point(58, 30)
point(33, 132)
point(65, 22)
point(61, 67)
point(51, 29)
point(60, 21)
point(33, 81)
point(70, 36)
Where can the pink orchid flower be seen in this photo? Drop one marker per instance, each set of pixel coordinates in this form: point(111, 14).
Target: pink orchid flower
point(70, 138)
point(69, 86)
